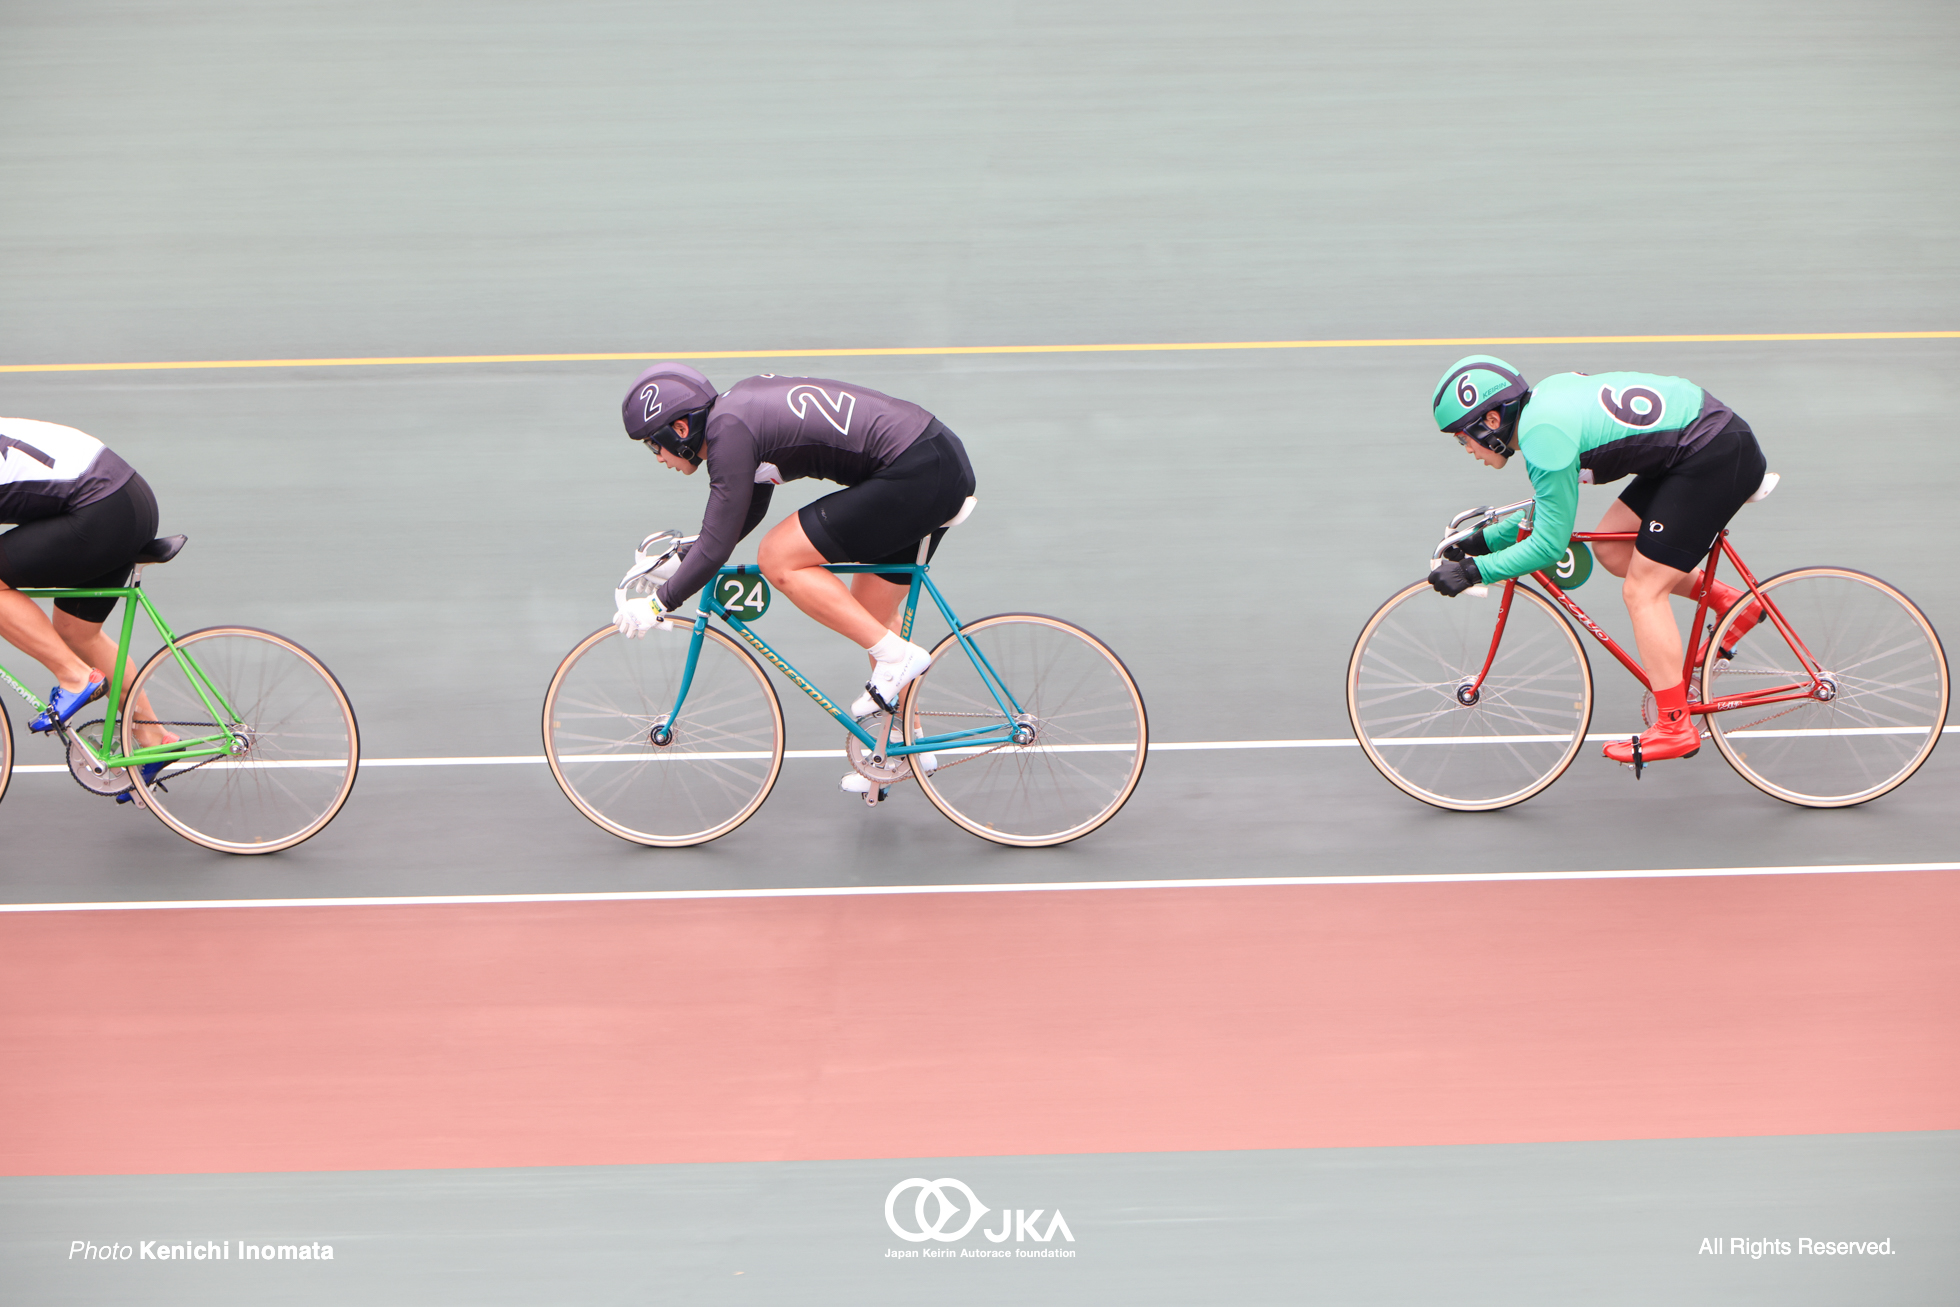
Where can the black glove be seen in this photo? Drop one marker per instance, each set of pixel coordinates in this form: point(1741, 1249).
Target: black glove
point(1471, 546)
point(1453, 578)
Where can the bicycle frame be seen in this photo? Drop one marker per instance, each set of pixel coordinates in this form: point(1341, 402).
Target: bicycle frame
point(203, 747)
point(1696, 650)
point(981, 737)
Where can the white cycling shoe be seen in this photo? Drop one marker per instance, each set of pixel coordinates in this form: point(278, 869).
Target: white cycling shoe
point(889, 679)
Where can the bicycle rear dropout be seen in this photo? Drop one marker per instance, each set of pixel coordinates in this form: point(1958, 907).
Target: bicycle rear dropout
point(1479, 702)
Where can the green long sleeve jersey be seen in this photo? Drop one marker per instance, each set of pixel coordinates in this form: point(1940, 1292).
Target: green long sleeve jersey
point(1594, 428)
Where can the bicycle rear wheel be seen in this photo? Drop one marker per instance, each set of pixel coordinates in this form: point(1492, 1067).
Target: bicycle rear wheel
point(1088, 735)
point(1887, 678)
point(6, 751)
point(602, 714)
point(1526, 725)
point(298, 747)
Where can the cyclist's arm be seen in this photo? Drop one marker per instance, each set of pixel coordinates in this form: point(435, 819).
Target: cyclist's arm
point(1552, 460)
point(733, 511)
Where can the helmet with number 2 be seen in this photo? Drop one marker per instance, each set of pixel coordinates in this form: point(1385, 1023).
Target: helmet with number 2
point(664, 394)
point(1473, 387)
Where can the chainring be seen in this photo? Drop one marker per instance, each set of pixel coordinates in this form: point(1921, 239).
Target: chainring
point(114, 780)
point(894, 769)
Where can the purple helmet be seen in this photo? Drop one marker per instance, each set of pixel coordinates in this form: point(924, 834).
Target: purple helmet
point(663, 393)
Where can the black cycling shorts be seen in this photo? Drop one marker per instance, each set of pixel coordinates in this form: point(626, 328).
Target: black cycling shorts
point(89, 548)
point(1683, 509)
point(883, 519)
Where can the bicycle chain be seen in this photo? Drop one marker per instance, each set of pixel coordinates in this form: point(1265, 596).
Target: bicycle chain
point(947, 766)
point(1765, 671)
point(181, 771)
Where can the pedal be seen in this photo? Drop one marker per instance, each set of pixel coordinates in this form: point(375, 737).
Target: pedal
point(1639, 765)
point(876, 796)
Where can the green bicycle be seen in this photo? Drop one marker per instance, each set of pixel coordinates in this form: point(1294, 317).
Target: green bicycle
point(265, 747)
point(1026, 730)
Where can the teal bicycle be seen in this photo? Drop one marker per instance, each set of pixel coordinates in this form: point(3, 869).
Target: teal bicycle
point(1026, 730)
point(261, 749)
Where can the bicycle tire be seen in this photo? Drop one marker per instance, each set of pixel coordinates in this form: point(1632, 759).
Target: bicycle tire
point(1527, 726)
point(1091, 731)
point(302, 746)
point(6, 751)
point(1892, 690)
point(600, 711)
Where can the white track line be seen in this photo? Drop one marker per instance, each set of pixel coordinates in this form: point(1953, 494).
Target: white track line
point(858, 891)
point(1156, 746)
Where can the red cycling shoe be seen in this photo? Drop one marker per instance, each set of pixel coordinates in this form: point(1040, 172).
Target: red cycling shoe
point(1674, 735)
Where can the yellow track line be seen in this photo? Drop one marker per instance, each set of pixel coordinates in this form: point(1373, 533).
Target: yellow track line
point(888, 351)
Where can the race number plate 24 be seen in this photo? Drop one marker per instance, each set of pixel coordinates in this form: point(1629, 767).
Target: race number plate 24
point(746, 597)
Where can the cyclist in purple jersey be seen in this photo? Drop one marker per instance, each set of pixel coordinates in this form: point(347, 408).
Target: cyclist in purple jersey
point(83, 514)
point(906, 477)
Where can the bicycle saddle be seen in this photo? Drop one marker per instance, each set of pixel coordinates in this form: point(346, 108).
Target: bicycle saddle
point(160, 551)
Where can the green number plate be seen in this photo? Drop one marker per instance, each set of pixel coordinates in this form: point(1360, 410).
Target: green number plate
point(1572, 570)
point(746, 597)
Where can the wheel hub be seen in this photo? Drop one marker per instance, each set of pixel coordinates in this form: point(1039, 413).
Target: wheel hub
point(1468, 695)
point(1827, 688)
point(661, 735)
point(1026, 731)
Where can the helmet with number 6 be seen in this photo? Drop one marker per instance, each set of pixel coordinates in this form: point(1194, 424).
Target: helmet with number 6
point(663, 394)
point(1473, 387)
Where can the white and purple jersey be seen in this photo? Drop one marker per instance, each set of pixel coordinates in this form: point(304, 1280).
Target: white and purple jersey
point(770, 429)
point(47, 470)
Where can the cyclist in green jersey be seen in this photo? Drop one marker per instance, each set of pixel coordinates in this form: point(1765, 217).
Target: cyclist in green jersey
point(1693, 463)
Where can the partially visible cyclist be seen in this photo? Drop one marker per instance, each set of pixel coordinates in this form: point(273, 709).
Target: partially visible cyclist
point(905, 475)
point(83, 515)
point(1694, 462)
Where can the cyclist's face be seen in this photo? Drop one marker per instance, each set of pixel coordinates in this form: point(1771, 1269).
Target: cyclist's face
point(675, 461)
point(672, 459)
point(1486, 456)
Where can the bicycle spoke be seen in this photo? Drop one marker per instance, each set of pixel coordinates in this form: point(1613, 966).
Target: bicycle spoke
point(1531, 708)
point(723, 756)
point(1886, 705)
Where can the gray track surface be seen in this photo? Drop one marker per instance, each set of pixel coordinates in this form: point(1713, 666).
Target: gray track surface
point(284, 181)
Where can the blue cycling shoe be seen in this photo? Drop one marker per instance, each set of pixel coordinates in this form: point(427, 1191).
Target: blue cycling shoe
point(151, 770)
point(63, 704)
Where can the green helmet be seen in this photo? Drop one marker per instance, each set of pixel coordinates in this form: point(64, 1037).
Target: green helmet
point(1473, 387)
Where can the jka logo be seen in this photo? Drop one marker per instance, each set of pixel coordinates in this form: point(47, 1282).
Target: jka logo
point(943, 1195)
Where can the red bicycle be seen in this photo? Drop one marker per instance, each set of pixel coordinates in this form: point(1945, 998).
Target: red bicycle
point(1471, 704)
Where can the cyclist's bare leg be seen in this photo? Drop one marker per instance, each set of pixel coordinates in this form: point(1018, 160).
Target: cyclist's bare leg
point(26, 627)
point(1658, 636)
point(95, 649)
point(793, 565)
point(1614, 555)
point(880, 598)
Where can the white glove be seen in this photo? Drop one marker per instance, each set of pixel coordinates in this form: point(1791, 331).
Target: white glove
point(656, 560)
point(635, 617)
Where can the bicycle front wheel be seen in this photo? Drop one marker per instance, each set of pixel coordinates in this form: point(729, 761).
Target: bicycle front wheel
point(1884, 673)
point(1081, 719)
point(6, 751)
point(627, 763)
point(295, 751)
point(1412, 670)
